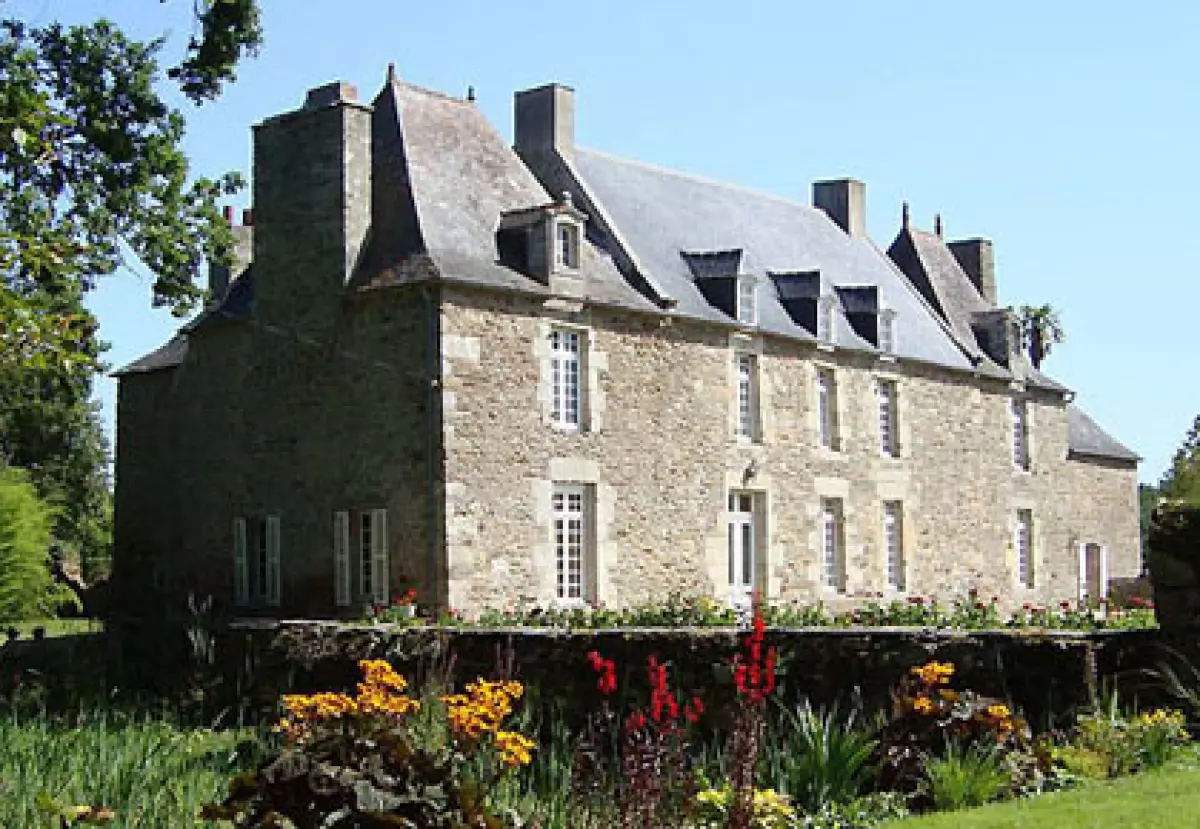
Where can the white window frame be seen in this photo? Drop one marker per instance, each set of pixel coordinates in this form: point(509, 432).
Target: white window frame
point(825, 320)
point(747, 396)
point(341, 559)
point(887, 395)
point(570, 534)
point(1024, 550)
point(1019, 414)
point(566, 245)
point(1084, 595)
point(257, 574)
point(895, 563)
point(887, 331)
point(272, 590)
point(567, 377)
point(828, 433)
point(373, 555)
point(833, 546)
point(742, 547)
point(747, 300)
point(241, 569)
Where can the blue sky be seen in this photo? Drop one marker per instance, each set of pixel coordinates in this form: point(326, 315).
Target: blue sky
point(1067, 132)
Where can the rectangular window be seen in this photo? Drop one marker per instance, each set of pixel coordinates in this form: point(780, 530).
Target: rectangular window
point(257, 573)
point(747, 305)
point(567, 246)
point(825, 319)
point(887, 331)
point(572, 542)
point(565, 372)
point(888, 443)
point(827, 408)
point(241, 571)
point(747, 396)
point(833, 548)
point(341, 559)
point(1020, 433)
point(893, 544)
point(1023, 543)
point(373, 555)
point(741, 546)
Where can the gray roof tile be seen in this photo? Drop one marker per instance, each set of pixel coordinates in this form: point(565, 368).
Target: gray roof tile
point(1085, 437)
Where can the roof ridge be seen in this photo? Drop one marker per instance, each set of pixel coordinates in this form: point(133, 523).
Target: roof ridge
point(699, 179)
point(433, 93)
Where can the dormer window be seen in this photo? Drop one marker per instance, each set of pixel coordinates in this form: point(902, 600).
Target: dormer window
point(747, 300)
point(825, 319)
point(566, 248)
point(887, 331)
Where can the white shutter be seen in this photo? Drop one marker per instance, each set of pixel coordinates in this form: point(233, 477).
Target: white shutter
point(1104, 574)
point(241, 575)
point(379, 556)
point(1083, 574)
point(341, 558)
point(273, 568)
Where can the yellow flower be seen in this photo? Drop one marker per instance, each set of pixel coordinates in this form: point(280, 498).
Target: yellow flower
point(934, 673)
point(949, 694)
point(923, 705)
point(998, 711)
point(515, 749)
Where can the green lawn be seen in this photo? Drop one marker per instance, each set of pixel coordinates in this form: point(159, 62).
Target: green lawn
point(57, 627)
point(1165, 798)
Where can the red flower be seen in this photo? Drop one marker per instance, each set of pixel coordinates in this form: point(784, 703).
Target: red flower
point(754, 677)
point(1064, 604)
point(636, 721)
point(1137, 601)
point(916, 600)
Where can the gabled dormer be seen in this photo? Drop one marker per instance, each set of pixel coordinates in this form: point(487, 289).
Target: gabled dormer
point(998, 333)
point(544, 242)
point(868, 316)
point(719, 278)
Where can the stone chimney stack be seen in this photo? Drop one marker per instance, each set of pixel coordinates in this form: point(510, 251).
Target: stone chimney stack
point(845, 200)
point(312, 205)
point(545, 120)
point(976, 258)
point(220, 276)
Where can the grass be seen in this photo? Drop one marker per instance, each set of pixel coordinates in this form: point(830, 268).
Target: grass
point(149, 772)
point(1168, 798)
point(57, 627)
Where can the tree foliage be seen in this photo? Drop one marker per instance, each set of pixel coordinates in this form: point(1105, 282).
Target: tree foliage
point(27, 589)
point(1041, 330)
point(1182, 481)
point(92, 169)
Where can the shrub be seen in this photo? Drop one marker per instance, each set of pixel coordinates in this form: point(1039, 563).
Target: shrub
point(965, 776)
point(825, 757)
point(27, 588)
point(771, 810)
point(353, 761)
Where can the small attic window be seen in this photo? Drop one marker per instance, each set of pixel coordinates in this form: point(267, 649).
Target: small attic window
point(747, 300)
point(566, 245)
point(887, 331)
point(825, 319)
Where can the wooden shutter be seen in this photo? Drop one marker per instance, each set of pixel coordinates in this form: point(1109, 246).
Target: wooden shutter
point(1083, 573)
point(241, 575)
point(379, 556)
point(1103, 551)
point(273, 568)
point(341, 558)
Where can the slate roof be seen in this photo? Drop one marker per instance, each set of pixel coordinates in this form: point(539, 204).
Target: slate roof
point(1085, 437)
point(165, 356)
point(661, 214)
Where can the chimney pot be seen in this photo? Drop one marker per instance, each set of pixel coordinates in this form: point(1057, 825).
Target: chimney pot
point(845, 201)
point(937, 224)
point(248, 217)
point(978, 261)
point(331, 94)
point(904, 216)
point(227, 212)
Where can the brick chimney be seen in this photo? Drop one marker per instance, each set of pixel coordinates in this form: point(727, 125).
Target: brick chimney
point(845, 200)
point(977, 260)
point(545, 120)
point(312, 205)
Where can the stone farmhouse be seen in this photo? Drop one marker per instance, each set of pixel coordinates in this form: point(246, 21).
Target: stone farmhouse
point(544, 375)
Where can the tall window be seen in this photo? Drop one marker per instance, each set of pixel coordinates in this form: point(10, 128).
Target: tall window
point(565, 348)
point(747, 304)
point(257, 575)
point(572, 553)
point(566, 251)
point(747, 396)
point(825, 319)
point(887, 331)
point(741, 547)
point(827, 408)
point(833, 548)
point(893, 543)
point(373, 555)
point(1020, 433)
point(1023, 542)
point(888, 444)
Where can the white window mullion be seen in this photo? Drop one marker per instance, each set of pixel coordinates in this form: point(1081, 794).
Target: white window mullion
point(747, 305)
point(1023, 542)
point(341, 558)
point(241, 570)
point(886, 390)
point(274, 571)
point(1020, 433)
point(832, 559)
point(572, 552)
point(893, 536)
point(565, 377)
point(747, 396)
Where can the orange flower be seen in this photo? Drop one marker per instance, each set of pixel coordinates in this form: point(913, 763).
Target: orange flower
point(923, 705)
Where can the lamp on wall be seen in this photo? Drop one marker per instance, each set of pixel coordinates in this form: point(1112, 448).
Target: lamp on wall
point(749, 472)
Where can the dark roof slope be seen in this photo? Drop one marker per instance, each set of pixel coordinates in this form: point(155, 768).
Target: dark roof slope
point(662, 214)
point(164, 357)
point(1085, 437)
point(461, 176)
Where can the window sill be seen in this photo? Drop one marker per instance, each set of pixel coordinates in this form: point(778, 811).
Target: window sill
point(824, 346)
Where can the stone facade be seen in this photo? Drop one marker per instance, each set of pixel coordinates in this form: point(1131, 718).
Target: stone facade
point(375, 355)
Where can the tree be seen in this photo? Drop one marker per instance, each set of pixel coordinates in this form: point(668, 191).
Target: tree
point(27, 588)
point(1182, 481)
point(91, 165)
point(1041, 330)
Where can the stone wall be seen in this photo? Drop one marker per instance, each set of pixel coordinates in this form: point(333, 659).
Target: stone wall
point(661, 455)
